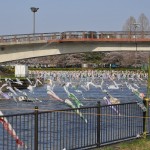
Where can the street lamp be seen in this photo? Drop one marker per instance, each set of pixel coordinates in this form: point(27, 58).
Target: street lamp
point(136, 25)
point(34, 10)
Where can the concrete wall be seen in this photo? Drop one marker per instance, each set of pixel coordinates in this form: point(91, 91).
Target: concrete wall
point(29, 50)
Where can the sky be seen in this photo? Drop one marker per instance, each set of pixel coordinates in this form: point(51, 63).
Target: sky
point(68, 15)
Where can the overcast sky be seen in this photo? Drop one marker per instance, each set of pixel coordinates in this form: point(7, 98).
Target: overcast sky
point(68, 15)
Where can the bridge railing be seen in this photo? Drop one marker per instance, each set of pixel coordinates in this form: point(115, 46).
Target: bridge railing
point(76, 35)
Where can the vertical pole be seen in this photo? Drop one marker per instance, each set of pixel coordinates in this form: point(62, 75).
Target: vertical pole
point(145, 117)
point(33, 23)
point(136, 55)
point(146, 101)
point(148, 81)
point(34, 10)
point(135, 46)
point(36, 129)
point(98, 124)
point(135, 27)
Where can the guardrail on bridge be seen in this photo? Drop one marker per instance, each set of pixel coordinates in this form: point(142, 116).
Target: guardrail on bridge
point(121, 36)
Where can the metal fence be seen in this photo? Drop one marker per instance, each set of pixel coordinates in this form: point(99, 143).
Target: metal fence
point(72, 129)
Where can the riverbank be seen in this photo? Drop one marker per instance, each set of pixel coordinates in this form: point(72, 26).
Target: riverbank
point(137, 144)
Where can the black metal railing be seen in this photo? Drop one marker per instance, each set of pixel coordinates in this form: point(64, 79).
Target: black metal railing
point(72, 129)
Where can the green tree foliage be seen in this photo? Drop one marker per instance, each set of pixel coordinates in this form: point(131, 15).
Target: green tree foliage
point(94, 57)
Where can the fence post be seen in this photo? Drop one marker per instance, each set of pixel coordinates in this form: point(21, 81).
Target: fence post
point(145, 116)
point(36, 129)
point(98, 124)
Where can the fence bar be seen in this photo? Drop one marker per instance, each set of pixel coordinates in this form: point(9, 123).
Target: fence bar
point(36, 129)
point(98, 124)
point(145, 117)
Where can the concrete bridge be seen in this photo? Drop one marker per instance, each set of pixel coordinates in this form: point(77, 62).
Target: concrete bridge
point(15, 47)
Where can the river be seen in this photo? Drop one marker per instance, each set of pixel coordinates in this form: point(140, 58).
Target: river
point(88, 97)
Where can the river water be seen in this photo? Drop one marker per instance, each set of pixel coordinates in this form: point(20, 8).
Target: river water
point(88, 97)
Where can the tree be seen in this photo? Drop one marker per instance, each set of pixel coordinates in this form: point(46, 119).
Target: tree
point(128, 26)
point(113, 58)
point(144, 23)
point(94, 57)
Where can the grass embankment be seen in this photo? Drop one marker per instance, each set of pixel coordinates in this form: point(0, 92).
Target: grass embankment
point(137, 144)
